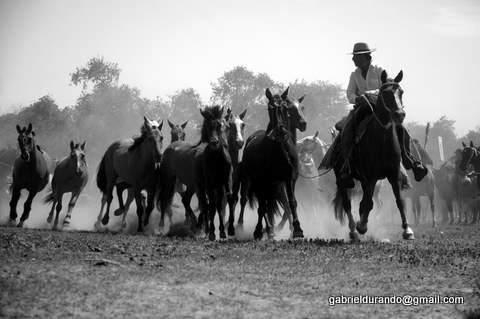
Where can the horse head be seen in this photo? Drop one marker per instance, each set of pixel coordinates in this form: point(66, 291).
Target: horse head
point(279, 125)
point(177, 131)
point(236, 128)
point(77, 156)
point(390, 105)
point(469, 156)
point(295, 112)
point(214, 128)
point(152, 134)
point(26, 141)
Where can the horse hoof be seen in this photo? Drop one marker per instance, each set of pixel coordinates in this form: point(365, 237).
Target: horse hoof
point(11, 223)
point(118, 212)
point(408, 234)
point(258, 233)
point(105, 220)
point(361, 228)
point(298, 233)
point(211, 236)
point(20, 225)
point(354, 238)
point(231, 231)
point(223, 235)
point(49, 219)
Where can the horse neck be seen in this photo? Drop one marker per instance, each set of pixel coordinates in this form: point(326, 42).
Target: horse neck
point(234, 152)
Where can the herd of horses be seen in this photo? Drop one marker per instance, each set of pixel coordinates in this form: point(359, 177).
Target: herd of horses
point(265, 176)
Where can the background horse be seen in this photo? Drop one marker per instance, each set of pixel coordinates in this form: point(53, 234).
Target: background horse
point(177, 132)
point(270, 164)
point(425, 187)
point(71, 175)
point(375, 157)
point(30, 171)
point(131, 161)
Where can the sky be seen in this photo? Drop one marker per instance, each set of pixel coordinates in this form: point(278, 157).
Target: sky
point(165, 46)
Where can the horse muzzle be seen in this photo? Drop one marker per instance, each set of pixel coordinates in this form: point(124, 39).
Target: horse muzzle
point(398, 117)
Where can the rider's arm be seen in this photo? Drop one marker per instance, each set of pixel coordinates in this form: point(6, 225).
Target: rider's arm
point(352, 89)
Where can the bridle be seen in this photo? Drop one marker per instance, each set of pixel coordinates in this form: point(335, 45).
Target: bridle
point(382, 99)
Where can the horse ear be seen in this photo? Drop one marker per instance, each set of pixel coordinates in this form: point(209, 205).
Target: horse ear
point(463, 144)
point(82, 147)
point(269, 95)
point(184, 124)
point(33, 133)
point(146, 121)
point(300, 100)
point(29, 129)
point(170, 124)
point(471, 144)
point(316, 134)
point(19, 130)
point(285, 93)
point(160, 126)
point(242, 115)
point(383, 76)
point(72, 145)
point(399, 77)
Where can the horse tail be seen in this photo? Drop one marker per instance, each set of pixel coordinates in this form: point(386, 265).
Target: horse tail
point(102, 176)
point(338, 208)
point(49, 198)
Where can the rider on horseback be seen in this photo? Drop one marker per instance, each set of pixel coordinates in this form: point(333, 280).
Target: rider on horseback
point(363, 90)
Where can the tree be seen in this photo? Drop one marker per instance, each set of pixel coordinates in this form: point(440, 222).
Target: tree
point(98, 72)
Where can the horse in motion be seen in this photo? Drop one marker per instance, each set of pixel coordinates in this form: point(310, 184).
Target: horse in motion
point(133, 162)
point(270, 164)
point(30, 171)
point(71, 175)
point(376, 156)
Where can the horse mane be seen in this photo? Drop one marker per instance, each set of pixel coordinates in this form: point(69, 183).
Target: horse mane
point(210, 114)
point(137, 140)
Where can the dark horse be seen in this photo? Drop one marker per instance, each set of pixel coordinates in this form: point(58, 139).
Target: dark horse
point(133, 162)
point(270, 165)
point(30, 171)
point(70, 176)
point(204, 168)
point(375, 157)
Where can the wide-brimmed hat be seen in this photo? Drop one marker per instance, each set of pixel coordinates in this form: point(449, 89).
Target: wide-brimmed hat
point(361, 48)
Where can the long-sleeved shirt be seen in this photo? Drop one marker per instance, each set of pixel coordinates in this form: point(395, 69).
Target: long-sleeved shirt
point(359, 86)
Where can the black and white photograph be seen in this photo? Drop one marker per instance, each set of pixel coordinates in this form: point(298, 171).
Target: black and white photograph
point(239, 159)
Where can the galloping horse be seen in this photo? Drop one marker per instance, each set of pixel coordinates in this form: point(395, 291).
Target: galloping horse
point(131, 161)
point(178, 167)
point(71, 175)
point(30, 171)
point(270, 164)
point(376, 156)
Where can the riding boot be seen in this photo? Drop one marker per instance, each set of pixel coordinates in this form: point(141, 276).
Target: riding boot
point(408, 161)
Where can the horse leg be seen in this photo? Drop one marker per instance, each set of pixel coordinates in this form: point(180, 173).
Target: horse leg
point(166, 197)
point(220, 203)
point(126, 207)
point(290, 189)
point(54, 203)
point(58, 210)
point(140, 209)
point(108, 192)
point(121, 207)
point(417, 209)
point(258, 233)
point(366, 205)
point(407, 231)
point(71, 205)
point(431, 198)
point(190, 218)
point(287, 213)
point(243, 201)
point(13, 205)
point(27, 207)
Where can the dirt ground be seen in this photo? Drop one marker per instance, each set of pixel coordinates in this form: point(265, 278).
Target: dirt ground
point(52, 274)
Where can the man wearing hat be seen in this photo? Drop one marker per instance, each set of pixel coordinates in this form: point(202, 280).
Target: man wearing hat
point(364, 82)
